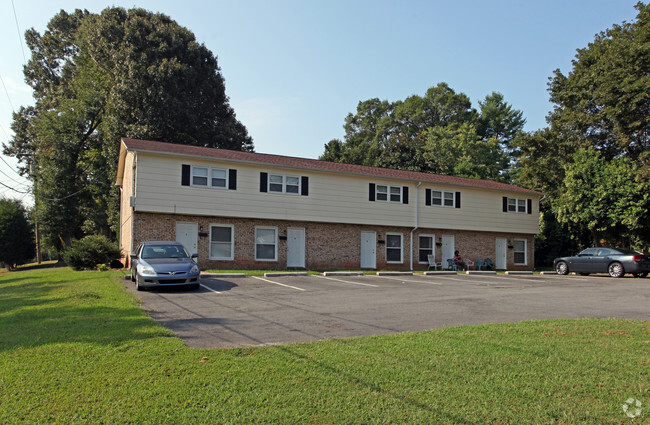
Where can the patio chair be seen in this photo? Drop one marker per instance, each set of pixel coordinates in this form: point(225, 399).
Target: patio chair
point(469, 264)
point(489, 264)
point(480, 264)
point(432, 262)
point(451, 265)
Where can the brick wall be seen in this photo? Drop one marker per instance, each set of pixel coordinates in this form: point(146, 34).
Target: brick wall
point(327, 246)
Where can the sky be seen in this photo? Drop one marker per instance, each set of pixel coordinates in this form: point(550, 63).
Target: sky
point(294, 69)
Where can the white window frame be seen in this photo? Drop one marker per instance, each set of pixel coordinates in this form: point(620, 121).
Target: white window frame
point(516, 204)
point(209, 177)
point(433, 247)
point(232, 242)
point(275, 243)
point(401, 248)
point(388, 193)
point(443, 198)
point(285, 178)
point(525, 252)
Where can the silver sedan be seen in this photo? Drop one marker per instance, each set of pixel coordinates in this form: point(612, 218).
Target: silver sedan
point(158, 264)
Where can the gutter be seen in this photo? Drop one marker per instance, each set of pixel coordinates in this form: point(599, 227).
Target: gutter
point(417, 218)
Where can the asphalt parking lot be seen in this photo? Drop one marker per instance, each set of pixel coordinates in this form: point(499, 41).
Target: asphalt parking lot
point(253, 311)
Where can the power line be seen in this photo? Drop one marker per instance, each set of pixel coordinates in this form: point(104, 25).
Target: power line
point(14, 189)
point(19, 34)
point(7, 93)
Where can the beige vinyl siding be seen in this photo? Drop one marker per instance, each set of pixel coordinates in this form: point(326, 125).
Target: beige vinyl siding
point(481, 210)
point(125, 209)
point(333, 198)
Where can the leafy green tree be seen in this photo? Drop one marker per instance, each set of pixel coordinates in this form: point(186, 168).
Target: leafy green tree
point(439, 132)
point(462, 152)
point(605, 198)
point(100, 77)
point(16, 236)
point(499, 120)
point(605, 99)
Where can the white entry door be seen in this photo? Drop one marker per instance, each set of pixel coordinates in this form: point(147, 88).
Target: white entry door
point(188, 235)
point(447, 250)
point(500, 254)
point(296, 247)
point(368, 250)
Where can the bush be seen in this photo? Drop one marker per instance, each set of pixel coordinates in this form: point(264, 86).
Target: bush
point(90, 251)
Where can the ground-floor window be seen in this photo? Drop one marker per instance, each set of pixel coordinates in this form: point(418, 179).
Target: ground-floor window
point(266, 243)
point(426, 248)
point(520, 252)
point(221, 242)
point(393, 247)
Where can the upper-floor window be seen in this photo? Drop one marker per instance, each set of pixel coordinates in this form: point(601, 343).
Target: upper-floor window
point(516, 205)
point(200, 176)
point(442, 198)
point(388, 193)
point(280, 183)
point(209, 177)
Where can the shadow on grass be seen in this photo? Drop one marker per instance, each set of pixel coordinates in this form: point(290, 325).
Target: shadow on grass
point(40, 308)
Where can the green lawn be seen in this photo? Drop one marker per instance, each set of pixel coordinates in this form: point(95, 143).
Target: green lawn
point(76, 348)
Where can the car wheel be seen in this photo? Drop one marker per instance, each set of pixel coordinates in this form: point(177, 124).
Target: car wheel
point(616, 270)
point(194, 286)
point(132, 277)
point(640, 275)
point(138, 287)
point(562, 268)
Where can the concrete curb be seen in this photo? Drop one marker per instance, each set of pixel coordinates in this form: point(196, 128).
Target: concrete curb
point(394, 273)
point(342, 274)
point(282, 274)
point(221, 275)
point(480, 272)
point(442, 272)
point(518, 272)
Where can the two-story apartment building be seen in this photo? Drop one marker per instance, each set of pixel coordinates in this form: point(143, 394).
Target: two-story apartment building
point(246, 210)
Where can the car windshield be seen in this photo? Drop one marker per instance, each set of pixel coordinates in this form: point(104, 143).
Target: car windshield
point(164, 251)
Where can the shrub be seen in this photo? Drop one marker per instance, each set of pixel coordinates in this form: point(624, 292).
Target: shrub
point(90, 251)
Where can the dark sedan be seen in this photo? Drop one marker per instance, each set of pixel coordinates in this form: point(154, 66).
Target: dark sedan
point(615, 261)
point(164, 264)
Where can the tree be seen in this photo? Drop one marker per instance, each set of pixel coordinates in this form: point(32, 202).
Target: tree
point(100, 77)
point(439, 132)
point(605, 99)
point(16, 236)
point(499, 120)
point(607, 199)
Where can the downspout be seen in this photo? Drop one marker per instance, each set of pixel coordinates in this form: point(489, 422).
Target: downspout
point(417, 218)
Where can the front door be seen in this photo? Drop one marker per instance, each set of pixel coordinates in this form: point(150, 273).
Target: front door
point(500, 254)
point(368, 250)
point(188, 235)
point(296, 247)
point(447, 250)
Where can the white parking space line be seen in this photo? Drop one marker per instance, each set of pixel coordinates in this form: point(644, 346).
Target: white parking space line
point(279, 284)
point(348, 281)
point(410, 281)
point(210, 289)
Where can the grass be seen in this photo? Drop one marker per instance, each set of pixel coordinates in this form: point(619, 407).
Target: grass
point(75, 347)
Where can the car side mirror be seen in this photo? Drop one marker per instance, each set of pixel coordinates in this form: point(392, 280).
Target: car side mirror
point(133, 256)
point(195, 255)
